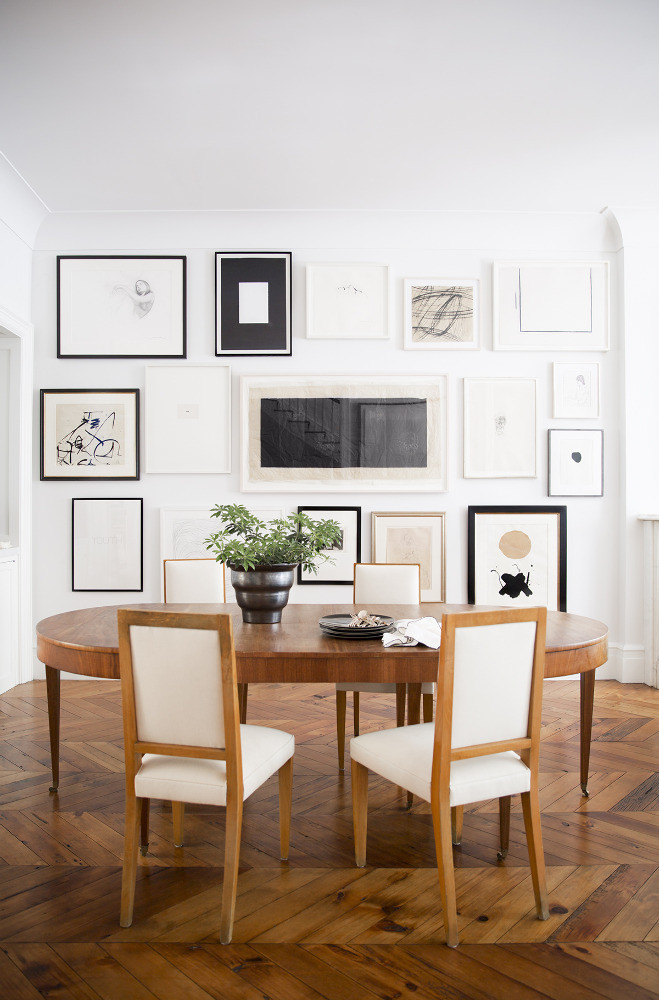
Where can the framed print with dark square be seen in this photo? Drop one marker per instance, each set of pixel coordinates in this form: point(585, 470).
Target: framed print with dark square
point(577, 389)
point(90, 434)
point(121, 307)
point(499, 428)
point(347, 301)
point(576, 463)
point(413, 538)
point(107, 548)
point(441, 314)
point(344, 432)
point(253, 303)
point(344, 554)
point(517, 557)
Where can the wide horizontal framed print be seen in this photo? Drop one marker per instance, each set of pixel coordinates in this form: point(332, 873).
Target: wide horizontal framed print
point(339, 568)
point(517, 557)
point(441, 314)
point(347, 301)
point(576, 389)
point(253, 303)
point(499, 428)
point(90, 434)
point(107, 547)
point(551, 305)
point(576, 463)
point(338, 433)
point(121, 307)
point(403, 537)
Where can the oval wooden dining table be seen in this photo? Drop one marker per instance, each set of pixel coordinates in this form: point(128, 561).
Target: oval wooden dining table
point(296, 651)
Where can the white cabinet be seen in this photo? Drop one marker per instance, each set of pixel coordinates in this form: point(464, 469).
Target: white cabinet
point(8, 621)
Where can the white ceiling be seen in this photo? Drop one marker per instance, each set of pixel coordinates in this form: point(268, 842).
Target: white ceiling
point(332, 104)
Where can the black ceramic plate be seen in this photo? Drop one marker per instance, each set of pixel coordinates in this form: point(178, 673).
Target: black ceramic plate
point(339, 627)
point(355, 633)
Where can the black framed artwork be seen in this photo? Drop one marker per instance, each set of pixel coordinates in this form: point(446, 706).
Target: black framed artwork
point(339, 569)
point(107, 549)
point(253, 303)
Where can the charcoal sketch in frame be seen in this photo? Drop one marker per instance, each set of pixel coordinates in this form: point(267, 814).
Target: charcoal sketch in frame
point(441, 314)
point(121, 307)
point(576, 389)
point(517, 556)
point(403, 537)
point(339, 569)
point(107, 544)
point(253, 303)
point(334, 432)
point(90, 434)
point(576, 463)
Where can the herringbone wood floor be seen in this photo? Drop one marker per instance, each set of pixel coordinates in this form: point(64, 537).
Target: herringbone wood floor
point(317, 926)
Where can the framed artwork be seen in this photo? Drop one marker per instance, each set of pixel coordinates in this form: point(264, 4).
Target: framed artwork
point(577, 389)
point(348, 301)
point(576, 463)
point(121, 307)
point(517, 557)
point(90, 434)
point(107, 546)
point(253, 303)
point(551, 305)
point(188, 418)
point(499, 428)
point(344, 554)
point(344, 432)
point(413, 538)
point(441, 314)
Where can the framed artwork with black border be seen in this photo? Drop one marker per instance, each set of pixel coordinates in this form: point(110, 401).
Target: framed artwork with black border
point(253, 303)
point(107, 549)
point(343, 555)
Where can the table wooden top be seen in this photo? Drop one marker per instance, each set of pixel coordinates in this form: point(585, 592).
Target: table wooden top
point(295, 650)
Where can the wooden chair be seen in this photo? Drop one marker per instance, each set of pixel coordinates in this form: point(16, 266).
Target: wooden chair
point(182, 737)
point(193, 581)
point(484, 743)
point(373, 584)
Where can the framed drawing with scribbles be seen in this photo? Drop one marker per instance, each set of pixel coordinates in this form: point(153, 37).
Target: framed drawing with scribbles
point(517, 557)
point(121, 307)
point(441, 314)
point(90, 434)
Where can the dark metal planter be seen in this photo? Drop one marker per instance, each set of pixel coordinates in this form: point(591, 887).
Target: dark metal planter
point(263, 592)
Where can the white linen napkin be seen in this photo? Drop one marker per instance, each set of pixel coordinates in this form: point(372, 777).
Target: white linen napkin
point(411, 631)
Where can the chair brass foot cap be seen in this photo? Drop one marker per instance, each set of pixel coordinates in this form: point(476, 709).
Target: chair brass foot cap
point(54, 788)
point(584, 790)
point(501, 855)
point(144, 850)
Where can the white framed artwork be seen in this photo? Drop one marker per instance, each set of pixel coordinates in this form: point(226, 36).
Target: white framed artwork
point(188, 418)
point(500, 428)
point(347, 301)
point(576, 463)
point(106, 544)
point(404, 537)
point(577, 389)
point(551, 305)
point(441, 314)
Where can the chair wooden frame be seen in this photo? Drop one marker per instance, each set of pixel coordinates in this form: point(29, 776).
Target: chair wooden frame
point(527, 747)
point(137, 809)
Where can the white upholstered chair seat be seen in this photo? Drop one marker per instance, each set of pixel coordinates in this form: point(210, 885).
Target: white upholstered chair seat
point(201, 781)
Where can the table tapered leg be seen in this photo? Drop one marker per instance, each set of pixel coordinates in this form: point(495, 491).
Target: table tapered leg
point(53, 695)
point(587, 691)
point(413, 717)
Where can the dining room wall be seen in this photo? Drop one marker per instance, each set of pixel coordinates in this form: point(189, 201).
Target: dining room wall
point(413, 244)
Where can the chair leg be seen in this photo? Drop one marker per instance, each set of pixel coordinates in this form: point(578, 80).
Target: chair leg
point(441, 821)
point(504, 826)
point(178, 816)
point(144, 827)
point(129, 873)
point(242, 703)
point(533, 828)
point(359, 810)
point(234, 820)
point(355, 713)
point(285, 803)
point(341, 726)
point(427, 707)
point(457, 816)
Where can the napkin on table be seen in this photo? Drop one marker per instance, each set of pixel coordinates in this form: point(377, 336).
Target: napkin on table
point(411, 631)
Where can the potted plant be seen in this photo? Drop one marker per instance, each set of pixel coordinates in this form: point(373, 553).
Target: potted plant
point(263, 556)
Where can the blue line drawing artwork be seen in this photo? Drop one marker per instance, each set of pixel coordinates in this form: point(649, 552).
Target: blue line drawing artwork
point(95, 439)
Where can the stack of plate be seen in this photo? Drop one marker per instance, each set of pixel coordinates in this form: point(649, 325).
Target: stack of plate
point(339, 627)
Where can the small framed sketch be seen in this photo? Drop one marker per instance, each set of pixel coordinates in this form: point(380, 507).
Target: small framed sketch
point(121, 307)
point(413, 538)
point(576, 463)
point(188, 418)
point(253, 303)
point(90, 434)
point(107, 549)
point(577, 389)
point(517, 557)
point(348, 301)
point(499, 428)
point(345, 553)
point(441, 314)
point(551, 305)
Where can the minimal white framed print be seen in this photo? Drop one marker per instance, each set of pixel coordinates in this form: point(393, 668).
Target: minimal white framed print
point(441, 314)
point(106, 544)
point(500, 428)
point(347, 301)
point(551, 305)
point(576, 463)
point(577, 390)
point(188, 418)
point(413, 537)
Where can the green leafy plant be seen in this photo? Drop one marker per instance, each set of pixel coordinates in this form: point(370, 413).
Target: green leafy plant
point(245, 542)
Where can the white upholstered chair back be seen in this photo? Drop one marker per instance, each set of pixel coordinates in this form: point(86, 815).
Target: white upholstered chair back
point(387, 583)
point(194, 581)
